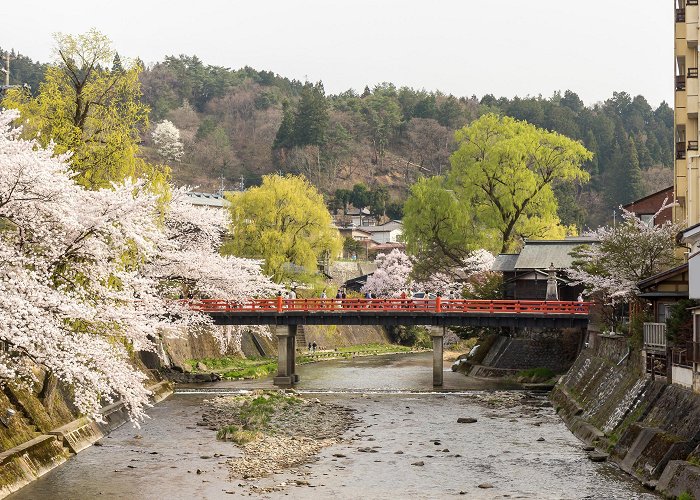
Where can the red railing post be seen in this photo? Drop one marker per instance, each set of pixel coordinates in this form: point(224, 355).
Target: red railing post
point(438, 301)
point(279, 303)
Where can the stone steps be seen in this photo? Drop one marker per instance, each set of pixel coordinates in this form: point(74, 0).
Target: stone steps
point(301, 339)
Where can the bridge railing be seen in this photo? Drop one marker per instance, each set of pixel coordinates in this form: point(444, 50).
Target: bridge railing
point(439, 305)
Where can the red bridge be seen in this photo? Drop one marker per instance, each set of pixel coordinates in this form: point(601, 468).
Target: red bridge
point(437, 312)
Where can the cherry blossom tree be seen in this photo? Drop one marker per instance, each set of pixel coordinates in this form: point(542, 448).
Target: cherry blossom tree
point(86, 277)
point(392, 275)
point(166, 137)
point(625, 254)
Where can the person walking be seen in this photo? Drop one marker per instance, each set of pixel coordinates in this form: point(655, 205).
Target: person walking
point(313, 346)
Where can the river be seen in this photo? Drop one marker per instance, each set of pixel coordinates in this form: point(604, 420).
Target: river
point(517, 448)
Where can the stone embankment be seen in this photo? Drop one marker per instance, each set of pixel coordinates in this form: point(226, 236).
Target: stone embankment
point(649, 428)
point(505, 356)
point(31, 459)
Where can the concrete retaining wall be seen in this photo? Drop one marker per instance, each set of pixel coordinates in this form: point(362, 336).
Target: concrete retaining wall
point(28, 461)
point(183, 346)
point(649, 428)
point(23, 464)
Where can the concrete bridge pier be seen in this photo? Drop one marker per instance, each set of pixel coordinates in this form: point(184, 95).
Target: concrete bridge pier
point(286, 356)
point(438, 335)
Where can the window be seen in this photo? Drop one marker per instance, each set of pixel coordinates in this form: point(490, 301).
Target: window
point(648, 219)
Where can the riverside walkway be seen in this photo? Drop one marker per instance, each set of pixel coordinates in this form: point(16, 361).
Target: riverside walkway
point(437, 313)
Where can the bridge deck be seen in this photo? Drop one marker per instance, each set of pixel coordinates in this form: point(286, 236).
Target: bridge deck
point(435, 312)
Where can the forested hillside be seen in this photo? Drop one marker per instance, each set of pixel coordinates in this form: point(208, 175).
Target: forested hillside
point(241, 124)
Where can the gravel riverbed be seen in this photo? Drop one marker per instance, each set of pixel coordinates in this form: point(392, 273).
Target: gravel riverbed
point(291, 435)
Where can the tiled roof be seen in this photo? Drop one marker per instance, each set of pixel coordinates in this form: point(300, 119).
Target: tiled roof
point(505, 262)
point(540, 254)
point(206, 199)
point(384, 228)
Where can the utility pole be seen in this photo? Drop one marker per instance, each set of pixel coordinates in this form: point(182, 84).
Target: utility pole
point(8, 58)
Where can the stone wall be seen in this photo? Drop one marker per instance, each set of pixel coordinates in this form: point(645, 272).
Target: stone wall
point(555, 350)
point(331, 337)
point(180, 347)
point(649, 428)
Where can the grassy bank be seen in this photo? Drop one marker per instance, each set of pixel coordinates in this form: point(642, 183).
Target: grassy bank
point(233, 368)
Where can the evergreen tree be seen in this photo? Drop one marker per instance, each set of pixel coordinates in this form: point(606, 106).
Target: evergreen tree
point(285, 134)
point(311, 117)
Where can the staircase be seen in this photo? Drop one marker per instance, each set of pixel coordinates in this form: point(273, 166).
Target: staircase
point(301, 339)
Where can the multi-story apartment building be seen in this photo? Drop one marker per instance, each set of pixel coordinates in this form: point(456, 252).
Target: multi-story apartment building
point(687, 181)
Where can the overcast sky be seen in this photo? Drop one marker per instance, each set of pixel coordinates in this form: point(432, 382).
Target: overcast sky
point(504, 47)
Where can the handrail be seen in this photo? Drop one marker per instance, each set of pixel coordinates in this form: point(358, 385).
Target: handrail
point(439, 305)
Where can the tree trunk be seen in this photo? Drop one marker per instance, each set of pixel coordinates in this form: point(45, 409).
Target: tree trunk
point(48, 391)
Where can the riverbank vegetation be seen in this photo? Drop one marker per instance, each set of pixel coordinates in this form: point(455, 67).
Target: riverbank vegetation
point(236, 368)
point(534, 375)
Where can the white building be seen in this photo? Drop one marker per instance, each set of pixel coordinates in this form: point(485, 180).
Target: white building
point(391, 232)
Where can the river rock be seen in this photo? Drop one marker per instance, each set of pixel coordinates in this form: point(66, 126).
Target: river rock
point(540, 439)
point(588, 448)
point(485, 486)
point(419, 464)
point(202, 367)
point(597, 457)
point(466, 420)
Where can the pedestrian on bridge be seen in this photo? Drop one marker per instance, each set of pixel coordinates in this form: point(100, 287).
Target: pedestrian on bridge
point(313, 346)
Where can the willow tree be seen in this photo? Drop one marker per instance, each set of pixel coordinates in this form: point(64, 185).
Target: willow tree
point(440, 230)
point(499, 191)
point(507, 168)
point(89, 105)
point(283, 221)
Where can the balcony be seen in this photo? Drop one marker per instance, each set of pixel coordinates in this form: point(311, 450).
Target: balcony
point(680, 15)
point(680, 150)
point(692, 145)
point(680, 82)
point(692, 72)
point(655, 337)
point(691, 2)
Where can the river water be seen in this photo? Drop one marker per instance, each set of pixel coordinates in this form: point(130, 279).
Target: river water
point(518, 448)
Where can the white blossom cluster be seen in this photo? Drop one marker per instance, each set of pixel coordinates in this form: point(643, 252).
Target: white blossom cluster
point(624, 254)
point(86, 277)
point(393, 275)
point(166, 137)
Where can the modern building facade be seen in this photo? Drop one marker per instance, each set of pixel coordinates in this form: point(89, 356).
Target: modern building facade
point(686, 103)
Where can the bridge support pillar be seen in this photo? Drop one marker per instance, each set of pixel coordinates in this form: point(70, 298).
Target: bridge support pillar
point(286, 356)
point(438, 335)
